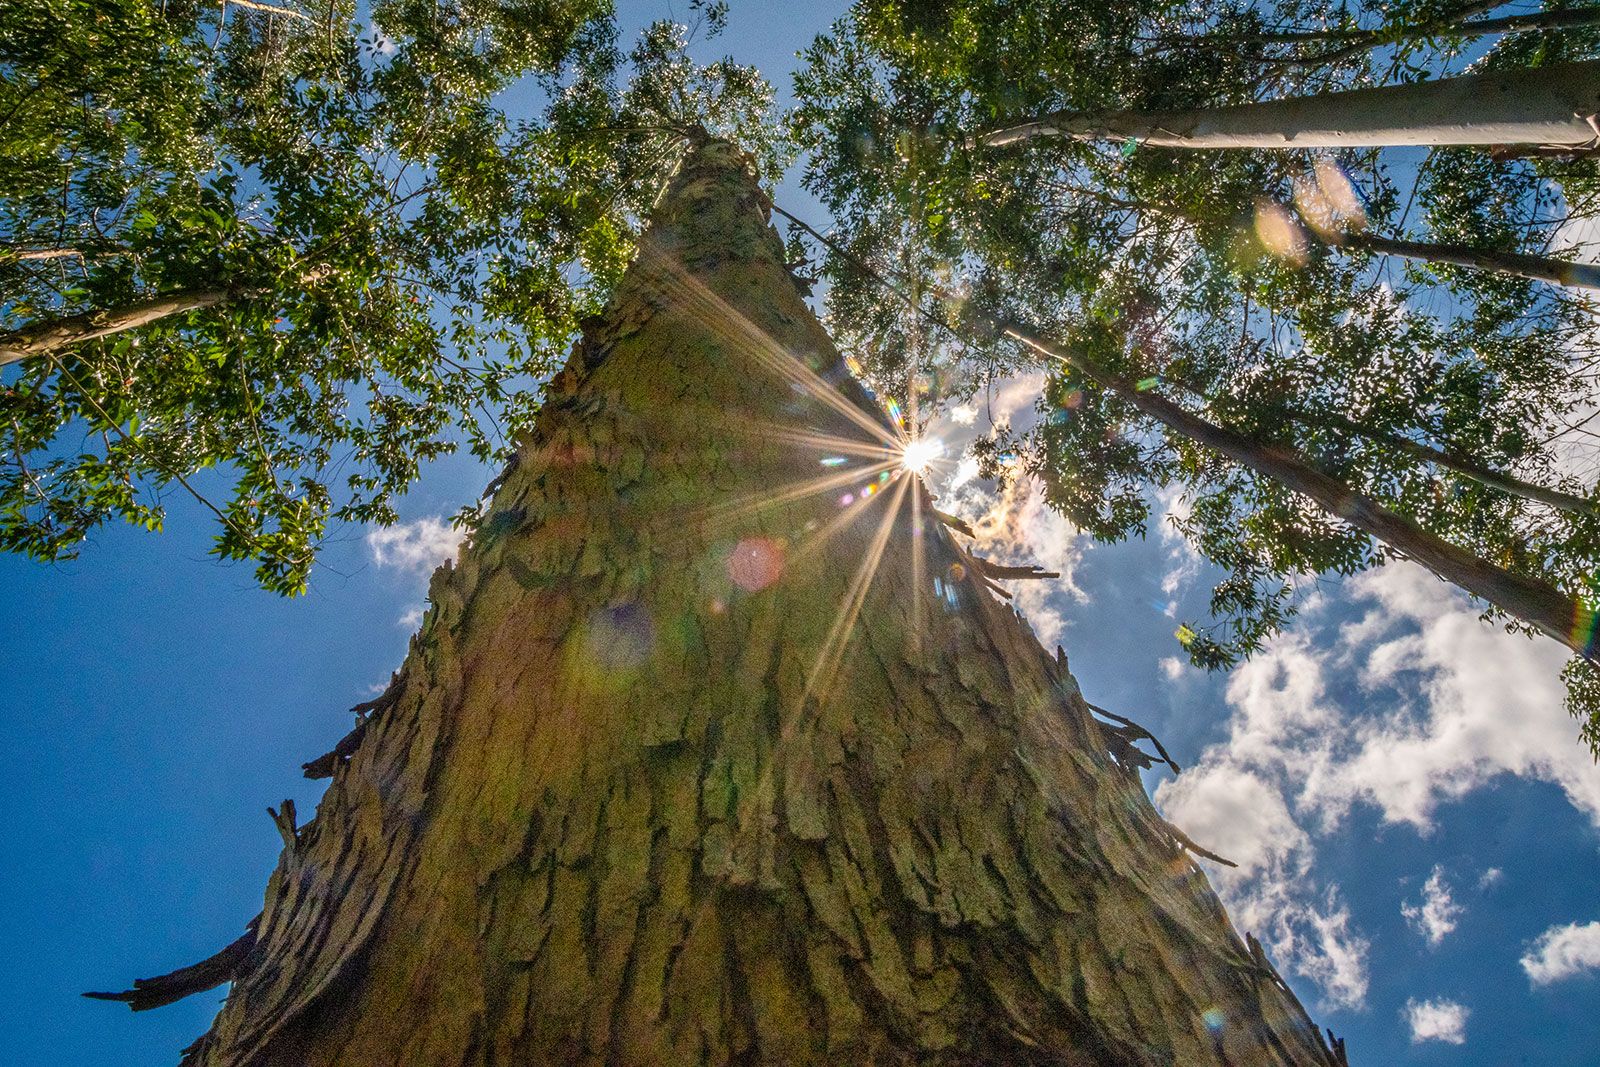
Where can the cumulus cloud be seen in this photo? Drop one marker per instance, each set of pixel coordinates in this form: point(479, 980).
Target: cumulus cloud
point(415, 546)
point(1242, 815)
point(1013, 523)
point(1431, 703)
point(1563, 951)
point(1436, 1020)
point(1490, 877)
point(1183, 562)
point(1438, 913)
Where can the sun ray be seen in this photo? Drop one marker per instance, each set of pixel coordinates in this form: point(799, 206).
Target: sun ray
point(834, 645)
point(723, 317)
point(725, 511)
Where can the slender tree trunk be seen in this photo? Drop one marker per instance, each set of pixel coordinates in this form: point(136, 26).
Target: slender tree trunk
point(40, 338)
point(708, 753)
point(1576, 505)
point(1552, 106)
point(1455, 18)
point(1530, 600)
point(1540, 268)
point(1359, 41)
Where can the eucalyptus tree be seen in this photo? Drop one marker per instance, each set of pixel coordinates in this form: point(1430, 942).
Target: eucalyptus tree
point(1245, 288)
point(278, 258)
point(692, 764)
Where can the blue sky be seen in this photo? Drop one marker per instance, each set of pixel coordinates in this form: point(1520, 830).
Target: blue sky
point(1415, 821)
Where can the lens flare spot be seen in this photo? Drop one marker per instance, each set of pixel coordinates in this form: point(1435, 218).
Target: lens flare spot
point(755, 563)
point(846, 500)
point(1213, 1018)
point(832, 461)
point(1279, 233)
point(958, 572)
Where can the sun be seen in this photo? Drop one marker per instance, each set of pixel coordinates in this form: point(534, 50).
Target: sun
point(918, 454)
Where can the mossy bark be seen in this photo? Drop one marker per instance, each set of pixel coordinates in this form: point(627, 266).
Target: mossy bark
point(633, 800)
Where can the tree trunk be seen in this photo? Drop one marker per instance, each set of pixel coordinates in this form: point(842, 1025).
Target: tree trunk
point(1534, 602)
point(1306, 37)
point(1365, 40)
point(1552, 106)
point(1540, 268)
point(1463, 465)
point(711, 753)
point(44, 337)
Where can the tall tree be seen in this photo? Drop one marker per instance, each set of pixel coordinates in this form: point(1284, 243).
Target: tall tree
point(711, 751)
point(1218, 301)
point(1555, 106)
point(285, 262)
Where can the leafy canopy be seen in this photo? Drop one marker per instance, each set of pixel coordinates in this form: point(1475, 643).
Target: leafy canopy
point(390, 258)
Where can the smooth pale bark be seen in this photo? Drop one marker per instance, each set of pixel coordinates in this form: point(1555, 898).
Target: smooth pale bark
point(1540, 268)
point(1529, 600)
point(694, 763)
point(44, 337)
point(271, 9)
point(1552, 106)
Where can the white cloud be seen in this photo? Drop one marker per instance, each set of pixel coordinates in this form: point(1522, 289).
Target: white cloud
point(1492, 704)
point(1242, 816)
point(1172, 667)
point(1563, 951)
point(1490, 877)
point(1183, 562)
point(1438, 913)
point(410, 620)
point(416, 546)
point(1012, 522)
point(1413, 704)
point(1437, 1020)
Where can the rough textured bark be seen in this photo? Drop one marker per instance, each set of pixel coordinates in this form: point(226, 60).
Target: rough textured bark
point(1531, 600)
point(47, 336)
point(1553, 106)
point(692, 763)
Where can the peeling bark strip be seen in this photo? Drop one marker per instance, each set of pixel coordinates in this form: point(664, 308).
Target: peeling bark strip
point(617, 815)
point(209, 973)
point(1534, 602)
point(44, 337)
point(1551, 107)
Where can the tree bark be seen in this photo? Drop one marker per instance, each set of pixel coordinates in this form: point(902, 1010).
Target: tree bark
point(1553, 106)
point(692, 762)
point(1530, 600)
point(41, 338)
point(1540, 268)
